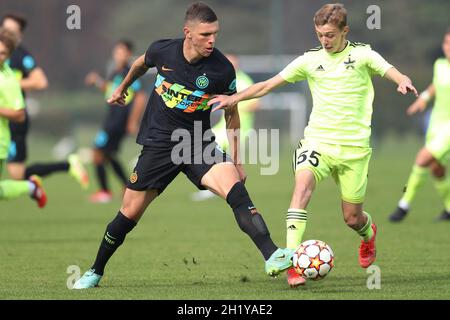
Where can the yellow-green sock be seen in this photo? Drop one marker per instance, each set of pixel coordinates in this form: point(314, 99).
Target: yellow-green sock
point(415, 182)
point(295, 226)
point(10, 189)
point(443, 188)
point(366, 232)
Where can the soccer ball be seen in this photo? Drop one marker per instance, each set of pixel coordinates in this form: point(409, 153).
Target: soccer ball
point(313, 259)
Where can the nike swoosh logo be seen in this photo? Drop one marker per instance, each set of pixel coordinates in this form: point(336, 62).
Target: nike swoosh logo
point(281, 257)
point(166, 69)
point(110, 236)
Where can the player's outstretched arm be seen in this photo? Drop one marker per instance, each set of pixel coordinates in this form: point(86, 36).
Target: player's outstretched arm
point(404, 83)
point(12, 115)
point(257, 90)
point(137, 70)
point(94, 79)
point(421, 102)
point(36, 80)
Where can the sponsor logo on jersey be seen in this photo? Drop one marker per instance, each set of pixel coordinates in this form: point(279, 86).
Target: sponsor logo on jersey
point(177, 96)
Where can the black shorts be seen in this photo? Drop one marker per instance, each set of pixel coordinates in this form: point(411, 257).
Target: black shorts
point(159, 165)
point(17, 148)
point(109, 141)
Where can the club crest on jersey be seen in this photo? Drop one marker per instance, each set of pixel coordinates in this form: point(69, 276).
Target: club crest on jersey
point(202, 82)
point(134, 177)
point(349, 63)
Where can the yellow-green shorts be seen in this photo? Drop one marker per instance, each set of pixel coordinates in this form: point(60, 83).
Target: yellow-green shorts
point(348, 165)
point(438, 143)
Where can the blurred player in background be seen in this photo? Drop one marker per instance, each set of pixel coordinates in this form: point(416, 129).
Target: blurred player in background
point(435, 155)
point(247, 111)
point(190, 71)
point(31, 78)
point(12, 109)
point(337, 137)
point(119, 121)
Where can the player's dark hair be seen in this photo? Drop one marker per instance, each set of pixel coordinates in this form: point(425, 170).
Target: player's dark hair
point(127, 43)
point(17, 17)
point(201, 12)
point(8, 39)
point(332, 13)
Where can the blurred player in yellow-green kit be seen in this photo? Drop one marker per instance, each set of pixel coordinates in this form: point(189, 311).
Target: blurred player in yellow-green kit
point(31, 77)
point(337, 138)
point(12, 108)
point(247, 111)
point(435, 155)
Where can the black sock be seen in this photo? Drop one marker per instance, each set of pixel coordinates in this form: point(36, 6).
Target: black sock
point(118, 169)
point(43, 170)
point(114, 236)
point(249, 220)
point(101, 175)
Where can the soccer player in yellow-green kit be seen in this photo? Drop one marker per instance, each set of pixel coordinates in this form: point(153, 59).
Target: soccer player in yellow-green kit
point(12, 108)
point(337, 137)
point(435, 155)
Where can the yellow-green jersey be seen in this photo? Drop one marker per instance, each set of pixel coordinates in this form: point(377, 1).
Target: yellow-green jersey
point(342, 92)
point(246, 115)
point(10, 97)
point(441, 83)
point(438, 133)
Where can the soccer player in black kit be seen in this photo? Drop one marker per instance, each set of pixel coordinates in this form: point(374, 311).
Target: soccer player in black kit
point(190, 72)
point(118, 121)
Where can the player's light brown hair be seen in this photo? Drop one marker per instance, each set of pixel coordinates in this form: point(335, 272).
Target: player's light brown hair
point(201, 12)
point(8, 39)
point(332, 13)
point(17, 17)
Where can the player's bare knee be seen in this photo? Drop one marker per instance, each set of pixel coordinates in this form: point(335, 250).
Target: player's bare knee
point(16, 175)
point(131, 212)
point(437, 170)
point(424, 158)
point(16, 171)
point(98, 157)
point(131, 209)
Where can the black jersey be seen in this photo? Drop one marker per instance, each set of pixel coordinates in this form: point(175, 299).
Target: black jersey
point(117, 117)
point(182, 90)
point(22, 63)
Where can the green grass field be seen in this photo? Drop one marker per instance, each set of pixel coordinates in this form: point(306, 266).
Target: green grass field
point(186, 250)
